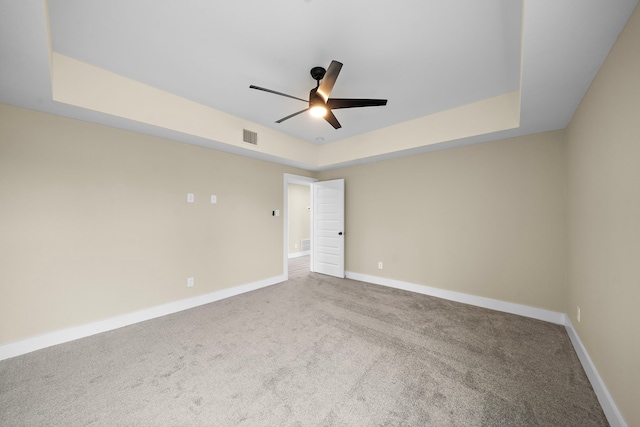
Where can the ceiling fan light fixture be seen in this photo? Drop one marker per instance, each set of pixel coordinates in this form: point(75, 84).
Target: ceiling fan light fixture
point(320, 103)
point(318, 110)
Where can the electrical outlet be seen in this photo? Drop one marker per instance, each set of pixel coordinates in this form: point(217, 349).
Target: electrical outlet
point(190, 282)
point(379, 265)
point(190, 197)
point(578, 314)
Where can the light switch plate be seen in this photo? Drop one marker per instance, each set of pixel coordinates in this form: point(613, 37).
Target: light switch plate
point(190, 197)
point(214, 199)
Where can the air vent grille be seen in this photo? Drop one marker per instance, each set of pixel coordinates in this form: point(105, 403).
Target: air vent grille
point(250, 137)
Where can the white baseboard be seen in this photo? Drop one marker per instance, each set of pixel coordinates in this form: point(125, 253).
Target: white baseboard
point(493, 304)
point(606, 401)
point(299, 254)
point(70, 334)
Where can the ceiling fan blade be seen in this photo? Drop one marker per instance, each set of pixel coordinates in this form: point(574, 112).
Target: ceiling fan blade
point(291, 115)
point(335, 103)
point(329, 80)
point(277, 93)
point(333, 121)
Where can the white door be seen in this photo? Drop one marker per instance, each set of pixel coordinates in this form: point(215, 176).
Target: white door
point(328, 228)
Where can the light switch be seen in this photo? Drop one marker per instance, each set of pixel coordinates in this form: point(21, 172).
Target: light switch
point(214, 199)
point(190, 198)
point(277, 212)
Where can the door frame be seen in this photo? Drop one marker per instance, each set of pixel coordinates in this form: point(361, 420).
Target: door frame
point(300, 180)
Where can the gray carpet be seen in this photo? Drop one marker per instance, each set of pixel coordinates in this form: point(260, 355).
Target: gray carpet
point(312, 351)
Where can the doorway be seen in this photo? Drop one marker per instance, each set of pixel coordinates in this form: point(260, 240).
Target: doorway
point(301, 257)
point(325, 223)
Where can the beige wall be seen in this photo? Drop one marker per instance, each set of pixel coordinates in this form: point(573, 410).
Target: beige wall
point(299, 216)
point(604, 188)
point(95, 223)
point(487, 219)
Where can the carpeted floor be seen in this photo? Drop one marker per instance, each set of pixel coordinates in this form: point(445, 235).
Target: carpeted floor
point(312, 351)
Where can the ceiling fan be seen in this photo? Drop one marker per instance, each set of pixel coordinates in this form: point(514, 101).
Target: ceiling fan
point(320, 105)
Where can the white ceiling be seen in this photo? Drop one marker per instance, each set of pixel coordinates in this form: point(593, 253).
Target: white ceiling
point(424, 56)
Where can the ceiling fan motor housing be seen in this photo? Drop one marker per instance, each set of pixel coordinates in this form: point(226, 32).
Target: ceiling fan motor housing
point(314, 98)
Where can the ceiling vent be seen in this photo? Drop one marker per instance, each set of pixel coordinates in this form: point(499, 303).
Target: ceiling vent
point(250, 137)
